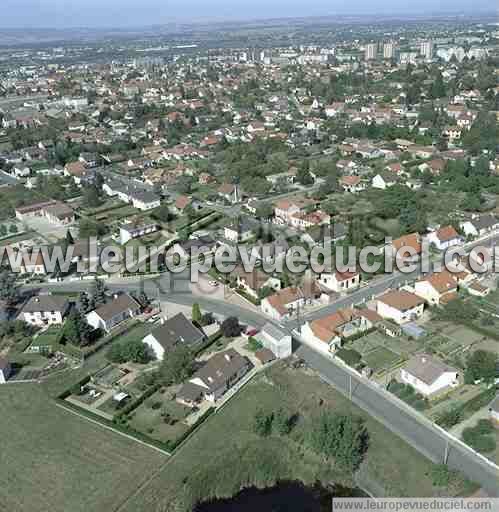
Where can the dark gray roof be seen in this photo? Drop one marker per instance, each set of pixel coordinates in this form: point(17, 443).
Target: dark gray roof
point(485, 222)
point(426, 368)
point(3, 363)
point(46, 303)
point(120, 304)
point(177, 329)
point(273, 331)
point(190, 392)
point(220, 368)
point(145, 196)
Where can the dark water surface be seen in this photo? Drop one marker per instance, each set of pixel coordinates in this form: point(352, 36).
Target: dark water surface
point(284, 497)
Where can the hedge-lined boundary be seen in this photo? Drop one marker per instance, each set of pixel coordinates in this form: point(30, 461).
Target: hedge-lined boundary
point(119, 421)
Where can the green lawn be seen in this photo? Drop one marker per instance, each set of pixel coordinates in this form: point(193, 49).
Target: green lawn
point(381, 359)
point(148, 418)
point(55, 461)
point(226, 454)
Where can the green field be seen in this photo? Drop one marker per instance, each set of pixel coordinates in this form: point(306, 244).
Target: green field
point(55, 461)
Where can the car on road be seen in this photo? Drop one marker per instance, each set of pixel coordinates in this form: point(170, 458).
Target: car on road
point(213, 283)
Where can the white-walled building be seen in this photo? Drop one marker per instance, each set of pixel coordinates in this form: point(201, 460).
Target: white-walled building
point(428, 375)
point(400, 306)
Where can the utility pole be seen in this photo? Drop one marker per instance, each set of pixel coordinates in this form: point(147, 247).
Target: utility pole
point(446, 453)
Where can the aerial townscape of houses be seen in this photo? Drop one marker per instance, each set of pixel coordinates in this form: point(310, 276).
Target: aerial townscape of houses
point(386, 142)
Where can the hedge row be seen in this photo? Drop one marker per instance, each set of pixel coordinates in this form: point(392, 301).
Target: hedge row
point(209, 341)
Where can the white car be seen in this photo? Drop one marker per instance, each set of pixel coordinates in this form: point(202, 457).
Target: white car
point(214, 283)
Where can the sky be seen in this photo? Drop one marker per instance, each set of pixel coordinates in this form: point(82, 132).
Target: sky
point(128, 13)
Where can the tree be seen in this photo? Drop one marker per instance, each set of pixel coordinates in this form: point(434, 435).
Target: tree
point(481, 365)
point(177, 366)
point(262, 423)
point(437, 88)
point(264, 211)
point(230, 327)
point(84, 303)
point(163, 213)
point(76, 330)
point(303, 175)
point(283, 422)
point(3, 230)
point(98, 292)
point(196, 314)
point(13, 229)
point(343, 438)
point(9, 289)
point(132, 350)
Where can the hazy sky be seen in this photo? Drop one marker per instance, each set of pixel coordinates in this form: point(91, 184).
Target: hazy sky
point(112, 13)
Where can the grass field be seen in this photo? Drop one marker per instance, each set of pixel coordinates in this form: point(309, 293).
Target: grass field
point(54, 460)
point(226, 454)
point(381, 358)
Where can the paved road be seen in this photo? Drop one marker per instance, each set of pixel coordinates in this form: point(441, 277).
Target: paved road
point(410, 426)
point(421, 435)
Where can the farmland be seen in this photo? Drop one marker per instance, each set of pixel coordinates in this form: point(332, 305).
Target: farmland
point(59, 462)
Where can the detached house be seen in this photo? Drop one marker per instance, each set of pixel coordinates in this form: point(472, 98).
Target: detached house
point(480, 226)
point(400, 306)
point(45, 310)
point(172, 332)
point(215, 378)
point(438, 288)
point(444, 237)
point(327, 333)
point(110, 315)
point(253, 282)
point(283, 303)
point(276, 340)
point(428, 375)
point(352, 184)
point(339, 281)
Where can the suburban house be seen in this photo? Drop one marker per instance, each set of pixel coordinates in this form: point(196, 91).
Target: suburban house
point(229, 192)
point(111, 314)
point(303, 220)
point(135, 228)
point(238, 232)
point(276, 340)
point(144, 200)
point(170, 333)
point(494, 410)
point(444, 237)
point(428, 375)
point(329, 331)
point(283, 303)
point(285, 209)
point(384, 180)
point(406, 248)
point(339, 281)
point(30, 263)
point(438, 288)
point(5, 370)
point(253, 282)
point(44, 310)
point(55, 212)
point(215, 378)
point(480, 226)
point(352, 184)
point(400, 306)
